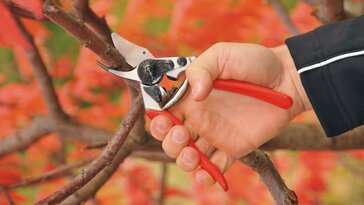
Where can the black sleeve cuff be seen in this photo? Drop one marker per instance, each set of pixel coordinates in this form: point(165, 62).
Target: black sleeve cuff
point(330, 61)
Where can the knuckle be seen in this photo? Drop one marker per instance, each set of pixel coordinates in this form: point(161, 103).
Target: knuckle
point(218, 46)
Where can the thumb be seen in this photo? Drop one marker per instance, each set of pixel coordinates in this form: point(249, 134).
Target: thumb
point(203, 71)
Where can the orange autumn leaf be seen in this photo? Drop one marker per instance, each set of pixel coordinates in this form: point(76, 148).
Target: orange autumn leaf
point(36, 29)
point(23, 62)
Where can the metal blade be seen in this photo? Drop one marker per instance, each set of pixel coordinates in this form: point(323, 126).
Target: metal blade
point(133, 53)
point(131, 75)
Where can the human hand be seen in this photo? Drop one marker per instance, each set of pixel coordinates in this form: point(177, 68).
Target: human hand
point(224, 125)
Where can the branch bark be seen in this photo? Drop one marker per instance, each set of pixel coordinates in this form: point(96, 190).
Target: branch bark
point(328, 11)
point(284, 16)
point(25, 136)
point(7, 195)
point(20, 10)
point(261, 163)
point(90, 189)
point(104, 159)
point(162, 189)
point(87, 38)
point(41, 126)
point(43, 78)
point(303, 136)
point(60, 171)
point(85, 13)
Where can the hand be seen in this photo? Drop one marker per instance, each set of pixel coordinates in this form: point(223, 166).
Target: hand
point(224, 125)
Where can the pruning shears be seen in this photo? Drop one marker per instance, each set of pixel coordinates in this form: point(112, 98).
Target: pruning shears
point(149, 71)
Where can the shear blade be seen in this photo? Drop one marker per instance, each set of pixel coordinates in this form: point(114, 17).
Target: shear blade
point(133, 53)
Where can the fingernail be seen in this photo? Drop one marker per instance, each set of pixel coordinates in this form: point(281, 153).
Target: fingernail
point(196, 89)
point(199, 178)
point(186, 158)
point(178, 136)
point(161, 127)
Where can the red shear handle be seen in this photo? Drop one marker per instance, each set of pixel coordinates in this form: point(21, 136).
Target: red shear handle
point(266, 94)
point(205, 163)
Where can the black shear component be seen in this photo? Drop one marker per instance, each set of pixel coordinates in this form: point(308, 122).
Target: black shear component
point(151, 71)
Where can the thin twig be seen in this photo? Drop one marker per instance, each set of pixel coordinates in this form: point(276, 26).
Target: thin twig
point(104, 159)
point(152, 155)
point(60, 171)
point(21, 11)
point(41, 126)
point(284, 16)
point(7, 195)
point(261, 163)
point(90, 189)
point(25, 136)
point(162, 189)
point(43, 78)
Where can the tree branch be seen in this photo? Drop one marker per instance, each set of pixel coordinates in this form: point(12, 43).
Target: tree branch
point(284, 16)
point(7, 195)
point(60, 171)
point(261, 163)
point(162, 189)
point(90, 189)
point(25, 136)
point(84, 12)
point(303, 136)
point(104, 159)
point(41, 126)
point(43, 78)
point(20, 10)
point(328, 11)
point(87, 38)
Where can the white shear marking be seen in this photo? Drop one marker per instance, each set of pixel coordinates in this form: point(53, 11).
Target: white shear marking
point(331, 60)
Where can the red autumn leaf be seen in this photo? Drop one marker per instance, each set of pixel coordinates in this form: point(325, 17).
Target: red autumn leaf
point(303, 19)
point(173, 191)
point(10, 33)
point(10, 175)
point(359, 154)
point(16, 197)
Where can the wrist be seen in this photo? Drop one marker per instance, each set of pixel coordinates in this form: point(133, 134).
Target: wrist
point(292, 80)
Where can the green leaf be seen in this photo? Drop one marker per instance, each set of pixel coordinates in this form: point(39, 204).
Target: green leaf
point(199, 23)
point(114, 96)
point(289, 5)
point(157, 25)
point(119, 8)
point(61, 43)
point(8, 67)
point(85, 104)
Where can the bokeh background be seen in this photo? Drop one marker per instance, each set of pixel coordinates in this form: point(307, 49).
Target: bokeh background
point(167, 28)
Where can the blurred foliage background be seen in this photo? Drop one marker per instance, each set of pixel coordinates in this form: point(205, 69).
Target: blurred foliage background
point(167, 28)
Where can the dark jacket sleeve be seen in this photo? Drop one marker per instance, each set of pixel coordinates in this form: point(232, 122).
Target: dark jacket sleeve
point(330, 61)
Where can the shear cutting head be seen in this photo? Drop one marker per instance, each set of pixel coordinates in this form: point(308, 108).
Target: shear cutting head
point(149, 71)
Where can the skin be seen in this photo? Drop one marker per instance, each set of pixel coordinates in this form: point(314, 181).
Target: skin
point(224, 125)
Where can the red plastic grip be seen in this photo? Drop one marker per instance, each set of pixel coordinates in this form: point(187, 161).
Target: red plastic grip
point(205, 163)
point(266, 94)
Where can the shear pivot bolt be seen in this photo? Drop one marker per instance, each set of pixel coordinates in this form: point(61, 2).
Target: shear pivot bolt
point(182, 61)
